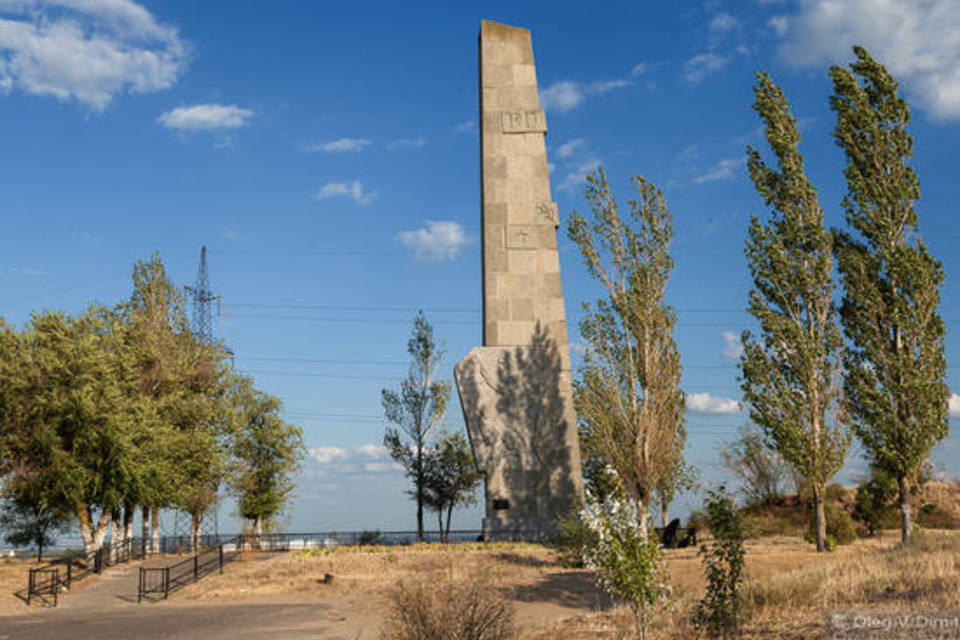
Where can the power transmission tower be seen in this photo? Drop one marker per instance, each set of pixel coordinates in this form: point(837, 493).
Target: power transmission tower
point(202, 299)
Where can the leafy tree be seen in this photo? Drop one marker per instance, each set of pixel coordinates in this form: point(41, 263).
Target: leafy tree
point(69, 430)
point(895, 370)
point(628, 399)
point(875, 497)
point(27, 518)
point(266, 451)
point(760, 468)
point(625, 554)
point(789, 371)
point(416, 409)
point(451, 477)
point(723, 561)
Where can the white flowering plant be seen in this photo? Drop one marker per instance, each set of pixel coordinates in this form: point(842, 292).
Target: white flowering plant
point(626, 555)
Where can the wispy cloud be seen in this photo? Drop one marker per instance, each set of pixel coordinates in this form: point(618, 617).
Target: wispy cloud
point(205, 116)
point(700, 66)
point(561, 96)
point(366, 458)
point(439, 240)
point(916, 41)
point(723, 22)
point(710, 404)
point(567, 95)
point(353, 190)
point(341, 145)
point(725, 169)
point(87, 50)
point(575, 174)
point(29, 272)
point(954, 405)
point(567, 149)
point(732, 347)
point(407, 143)
point(467, 126)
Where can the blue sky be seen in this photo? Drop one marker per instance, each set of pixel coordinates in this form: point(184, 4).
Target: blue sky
point(327, 155)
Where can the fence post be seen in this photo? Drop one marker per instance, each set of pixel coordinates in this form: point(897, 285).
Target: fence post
point(56, 585)
point(30, 582)
point(196, 566)
point(140, 586)
point(98, 561)
point(69, 572)
point(166, 582)
point(221, 558)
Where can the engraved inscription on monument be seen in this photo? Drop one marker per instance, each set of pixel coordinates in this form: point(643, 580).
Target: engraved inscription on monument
point(516, 390)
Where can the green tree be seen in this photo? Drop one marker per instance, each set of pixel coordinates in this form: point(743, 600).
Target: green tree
point(718, 612)
point(26, 517)
point(895, 371)
point(628, 399)
point(762, 471)
point(416, 409)
point(789, 372)
point(451, 477)
point(266, 451)
point(69, 432)
point(155, 322)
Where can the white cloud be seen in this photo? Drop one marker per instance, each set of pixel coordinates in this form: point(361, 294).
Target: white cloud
point(407, 143)
point(640, 68)
point(954, 405)
point(205, 116)
point(723, 170)
point(732, 347)
point(467, 126)
point(566, 95)
point(341, 145)
point(439, 240)
point(602, 86)
point(353, 189)
point(706, 403)
point(575, 175)
point(723, 22)
point(561, 96)
point(86, 50)
point(917, 40)
point(699, 67)
point(569, 148)
point(326, 455)
point(369, 458)
point(780, 24)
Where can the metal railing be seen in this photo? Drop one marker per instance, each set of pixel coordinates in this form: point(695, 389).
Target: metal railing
point(159, 582)
point(52, 578)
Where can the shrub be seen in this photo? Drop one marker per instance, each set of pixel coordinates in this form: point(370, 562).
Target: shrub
point(626, 555)
point(571, 537)
point(369, 538)
point(873, 503)
point(719, 611)
point(467, 609)
point(840, 528)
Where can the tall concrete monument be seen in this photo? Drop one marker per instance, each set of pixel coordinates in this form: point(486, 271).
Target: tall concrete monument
point(516, 389)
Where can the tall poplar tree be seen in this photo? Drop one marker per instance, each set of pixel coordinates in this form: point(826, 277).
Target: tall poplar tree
point(790, 371)
point(628, 396)
point(895, 380)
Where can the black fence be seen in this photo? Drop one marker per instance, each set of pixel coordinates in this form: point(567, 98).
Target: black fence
point(159, 582)
point(46, 582)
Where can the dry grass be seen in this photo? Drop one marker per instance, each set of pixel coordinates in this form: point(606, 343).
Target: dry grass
point(789, 586)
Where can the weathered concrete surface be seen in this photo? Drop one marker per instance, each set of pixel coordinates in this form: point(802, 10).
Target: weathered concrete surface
point(516, 390)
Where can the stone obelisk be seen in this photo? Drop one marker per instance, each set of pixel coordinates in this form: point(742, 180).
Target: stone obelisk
point(516, 390)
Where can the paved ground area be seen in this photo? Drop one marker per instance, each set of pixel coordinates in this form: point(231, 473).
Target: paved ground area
point(167, 621)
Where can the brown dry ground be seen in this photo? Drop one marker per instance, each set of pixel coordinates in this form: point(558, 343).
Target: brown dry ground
point(789, 585)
